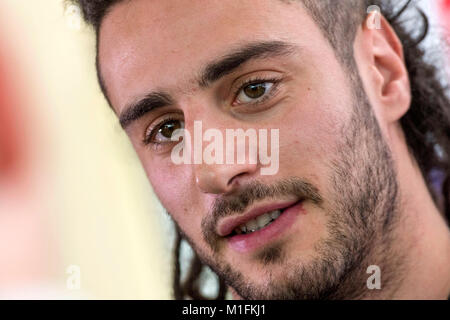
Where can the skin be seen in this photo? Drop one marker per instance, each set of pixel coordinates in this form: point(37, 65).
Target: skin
point(311, 107)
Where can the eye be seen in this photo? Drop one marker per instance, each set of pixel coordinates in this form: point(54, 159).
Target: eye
point(254, 92)
point(164, 131)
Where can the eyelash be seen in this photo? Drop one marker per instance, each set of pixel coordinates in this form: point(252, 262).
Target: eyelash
point(148, 137)
point(258, 80)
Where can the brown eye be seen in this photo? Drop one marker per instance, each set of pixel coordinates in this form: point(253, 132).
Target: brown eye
point(164, 132)
point(255, 91)
point(168, 128)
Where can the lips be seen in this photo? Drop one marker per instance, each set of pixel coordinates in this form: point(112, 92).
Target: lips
point(227, 227)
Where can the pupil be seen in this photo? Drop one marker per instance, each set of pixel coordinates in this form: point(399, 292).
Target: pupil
point(255, 91)
point(168, 128)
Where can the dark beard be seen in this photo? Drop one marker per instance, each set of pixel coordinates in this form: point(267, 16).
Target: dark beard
point(361, 222)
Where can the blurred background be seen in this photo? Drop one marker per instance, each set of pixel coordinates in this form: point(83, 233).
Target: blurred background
point(78, 218)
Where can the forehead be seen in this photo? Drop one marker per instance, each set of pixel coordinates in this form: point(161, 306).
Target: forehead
point(147, 45)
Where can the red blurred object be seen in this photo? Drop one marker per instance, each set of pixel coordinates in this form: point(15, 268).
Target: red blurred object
point(446, 4)
point(444, 9)
point(11, 148)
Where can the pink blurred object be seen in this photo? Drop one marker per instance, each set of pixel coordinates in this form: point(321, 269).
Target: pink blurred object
point(444, 9)
point(26, 247)
point(11, 148)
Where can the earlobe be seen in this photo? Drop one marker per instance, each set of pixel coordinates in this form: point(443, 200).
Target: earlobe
point(389, 73)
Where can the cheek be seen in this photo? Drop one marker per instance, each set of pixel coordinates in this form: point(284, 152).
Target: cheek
point(170, 183)
point(310, 136)
point(312, 129)
point(319, 107)
point(174, 187)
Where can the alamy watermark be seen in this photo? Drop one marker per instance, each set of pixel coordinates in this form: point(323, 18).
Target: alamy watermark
point(73, 281)
point(73, 17)
point(374, 281)
point(374, 19)
point(220, 150)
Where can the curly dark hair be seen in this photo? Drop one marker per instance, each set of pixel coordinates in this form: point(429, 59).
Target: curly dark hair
point(426, 125)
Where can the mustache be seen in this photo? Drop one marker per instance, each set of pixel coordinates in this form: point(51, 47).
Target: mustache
point(238, 202)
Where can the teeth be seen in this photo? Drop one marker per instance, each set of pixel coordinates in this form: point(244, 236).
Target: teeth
point(275, 214)
point(263, 220)
point(258, 223)
point(252, 225)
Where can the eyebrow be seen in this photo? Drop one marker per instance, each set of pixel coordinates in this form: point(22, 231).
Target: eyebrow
point(150, 102)
point(210, 74)
point(230, 62)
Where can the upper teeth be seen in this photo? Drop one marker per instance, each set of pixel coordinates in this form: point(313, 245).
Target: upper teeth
point(258, 222)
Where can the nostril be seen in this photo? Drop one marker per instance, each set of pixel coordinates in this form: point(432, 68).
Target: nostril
point(235, 179)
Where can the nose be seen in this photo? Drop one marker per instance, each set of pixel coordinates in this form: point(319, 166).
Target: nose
point(222, 178)
point(219, 176)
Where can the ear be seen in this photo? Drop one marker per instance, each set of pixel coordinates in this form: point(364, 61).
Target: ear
point(382, 63)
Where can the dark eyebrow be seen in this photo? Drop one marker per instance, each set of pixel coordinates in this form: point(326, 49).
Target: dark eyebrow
point(211, 73)
point(149, 103)
point(257, 50)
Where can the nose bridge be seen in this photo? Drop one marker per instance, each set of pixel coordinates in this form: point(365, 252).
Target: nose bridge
point(217, 171)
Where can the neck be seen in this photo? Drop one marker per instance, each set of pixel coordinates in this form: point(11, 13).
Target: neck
point(424, 236)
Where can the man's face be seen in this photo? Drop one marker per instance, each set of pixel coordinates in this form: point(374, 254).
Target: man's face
point(286, 77)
